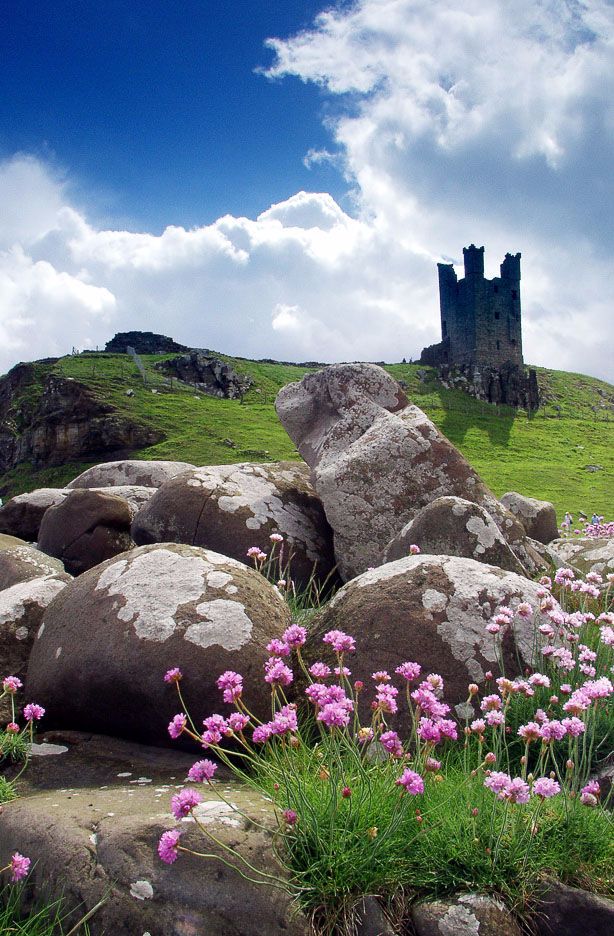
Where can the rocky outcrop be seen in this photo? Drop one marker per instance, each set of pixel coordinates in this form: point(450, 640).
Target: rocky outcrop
point(584, 553)
point(98, 844)
point(107, 640)
point(452, 526)
point(51, 420)
point(377, 460)
point(537, 517)
point(230, 508)
point(432, 610)
point(143, 343)
point(151, 474)
point(464, 915)
point(509, 384)
point(208, 374)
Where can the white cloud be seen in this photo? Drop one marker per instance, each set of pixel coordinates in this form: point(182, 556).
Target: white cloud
point(455, 122)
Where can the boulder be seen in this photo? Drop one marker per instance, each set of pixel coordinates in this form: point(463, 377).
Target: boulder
point(229, 508)
point(568, 911)
point(21, 516)
point(464, 915)
point(86, 528)
point(377, 460)
point(537, 517)
point(20, 562)
point(136, 495)
point(431, 610)
point(586, 554)
point(452, 526)
point(130, 471)
point(21, 611)
point(90, 815)
point(105, 643)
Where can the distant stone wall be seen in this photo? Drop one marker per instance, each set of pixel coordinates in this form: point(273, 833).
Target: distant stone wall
point(510, 384)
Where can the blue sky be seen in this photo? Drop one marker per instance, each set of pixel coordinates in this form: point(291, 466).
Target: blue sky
point(280, 179)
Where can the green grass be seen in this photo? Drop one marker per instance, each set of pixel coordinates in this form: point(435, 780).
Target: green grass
point(44, 920)
point(543, 455)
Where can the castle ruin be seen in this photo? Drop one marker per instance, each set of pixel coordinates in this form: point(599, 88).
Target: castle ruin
point(481, 332)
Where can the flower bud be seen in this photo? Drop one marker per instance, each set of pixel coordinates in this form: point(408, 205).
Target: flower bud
point(490, 758)
point(473, 689)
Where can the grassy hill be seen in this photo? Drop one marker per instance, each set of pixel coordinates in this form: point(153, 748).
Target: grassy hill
point(543, 455)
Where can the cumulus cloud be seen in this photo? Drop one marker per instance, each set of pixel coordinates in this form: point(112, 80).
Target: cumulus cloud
point(453, 122)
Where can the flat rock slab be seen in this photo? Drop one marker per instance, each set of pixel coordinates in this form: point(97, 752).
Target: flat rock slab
point(131, 472)
point(90, 819)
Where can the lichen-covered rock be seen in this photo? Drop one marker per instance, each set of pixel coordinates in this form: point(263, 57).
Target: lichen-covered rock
point(136, 495)
point(92, 813)
point(107, 640)
point(377, 460)
point(432, 610)
point(229, 508)
point(21, 611)
point(452, 526)
point(131, 472)
point(20, 562)
point(86, 528)
point(537, 517)
point(464, 915)
point(22, 515)
point(587, 554)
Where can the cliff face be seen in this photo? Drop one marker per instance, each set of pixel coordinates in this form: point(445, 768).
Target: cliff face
point(49, 420)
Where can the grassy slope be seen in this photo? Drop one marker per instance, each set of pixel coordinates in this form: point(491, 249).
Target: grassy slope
point(543, 455)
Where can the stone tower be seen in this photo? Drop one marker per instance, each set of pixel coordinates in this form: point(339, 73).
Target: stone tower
point(480, 318)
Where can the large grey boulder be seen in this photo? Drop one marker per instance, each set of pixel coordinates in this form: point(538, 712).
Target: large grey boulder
point(377, 460)
point(88, 527)
point(432, 610)
point(464, 915)
point(569, 911)
point(537, 517)
point(105, 643)
point(20, 562)
point(131, 472)
point(584, 553)
point(230, 508)
point(90, 814)
point(22, 515)
point(452, 526)
point(21, 610)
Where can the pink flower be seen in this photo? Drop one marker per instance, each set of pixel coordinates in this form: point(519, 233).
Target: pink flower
point(494, 718)
point(202, 770)
point(12, 728)
point(573, 726)
point(432, 765)
point(391, 742)
point(335, 714)
point(253, 552)
point(498, 782)
point(414, 550)
point(381, 676)
point(173, 675)
point(231, 684)
point(518, 791)
point(295, 636)
point(598, 688)
point(184, 802)
point(19, 867)
point(176, 725)
point(237, 722)
point(342, 671)
point(448, 729)
point(539, 679)
point(276, 538)
point(168, 845)
point(409, 671)
point(530, 732)
point(544, 787)
point(386, 698)
point(284, 720)
point(33, 712)
point(290, 817)
point(590, 793)
point(216, 723)
point(491, 703)
point(524, 610)
point(478, 726)
point(411, 781)
point(278, 648)
point(553, 731)
point(262, 733)
point(277, 673)
point(11, 684)
point(340, 642)
point(320, 670)
point(428, 730)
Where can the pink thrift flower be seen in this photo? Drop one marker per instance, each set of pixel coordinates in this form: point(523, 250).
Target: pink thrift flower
point(518, 791)
point(524, 610)
point(11, 684)
point(553, 731)
point(342, 671)
point(320, 670)
point(173, 675)
point(339, 641)
point(33, 712)
point(432, 765)
point(202, 770)
point(491, 703)
point(414, 550)
point(573, 726)
point(494, 718)
point(539, 679)
point(231, 684)
point(276, 538)
point(262, 733)
point(590, 793)
point(386, 698)
point(428, 730)
point(253, 552)
point(19, 867)
point(168, 845)
point(278, 648)
point(411, 781)
point(391, 742)
point(176, 725)
point(381, 676)
point(334, 715)
point(409, 671)
point(295, 636)
point(290, 817)
point(237, 722)
point(184, 802)
point(530, 732)
point(448, 729)
point(12, 728)
point(216, 723)
point(544, 787)
point(277, 673)
point(498, 782)
point(478, 726)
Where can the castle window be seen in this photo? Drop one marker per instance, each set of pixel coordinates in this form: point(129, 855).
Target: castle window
point(514, 294)
point(496, 288)
point(497, 314)
point(498, 346)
